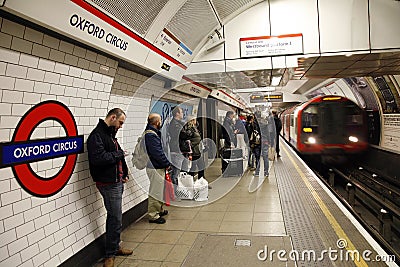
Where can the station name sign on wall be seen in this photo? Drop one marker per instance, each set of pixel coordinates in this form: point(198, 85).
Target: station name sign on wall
point(96, 31)
point(288, 44)
point(21, 151)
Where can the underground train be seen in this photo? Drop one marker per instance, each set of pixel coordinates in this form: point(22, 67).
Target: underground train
point(330, 127)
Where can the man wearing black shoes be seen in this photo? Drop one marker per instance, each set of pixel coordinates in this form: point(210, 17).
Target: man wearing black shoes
point(156, 168)
point(109, 170)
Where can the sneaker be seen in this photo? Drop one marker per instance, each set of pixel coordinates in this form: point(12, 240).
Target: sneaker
point(209, 187)
point(109, 262)
point(160, 220)
point(124, 251)
point(278, 156)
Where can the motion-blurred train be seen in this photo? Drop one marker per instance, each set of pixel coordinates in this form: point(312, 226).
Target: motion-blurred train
point(330, 127)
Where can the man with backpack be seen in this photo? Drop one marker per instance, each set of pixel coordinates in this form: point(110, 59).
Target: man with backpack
point(156, 168)
point(109, 170)
point(266, 128)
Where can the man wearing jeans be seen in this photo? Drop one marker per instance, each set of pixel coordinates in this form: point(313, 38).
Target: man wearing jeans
point(109, 170)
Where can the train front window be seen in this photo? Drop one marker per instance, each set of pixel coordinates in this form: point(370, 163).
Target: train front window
point(310, 116)
point(354, 115)
point(310, 122)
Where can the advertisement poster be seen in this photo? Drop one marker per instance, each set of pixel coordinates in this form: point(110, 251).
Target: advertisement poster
point(389, 98)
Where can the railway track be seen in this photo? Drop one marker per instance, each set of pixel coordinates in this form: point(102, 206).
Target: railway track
point(373, 199)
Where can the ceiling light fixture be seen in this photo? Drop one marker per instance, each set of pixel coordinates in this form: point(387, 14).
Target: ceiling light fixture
point(257, 89)
point(276, 80)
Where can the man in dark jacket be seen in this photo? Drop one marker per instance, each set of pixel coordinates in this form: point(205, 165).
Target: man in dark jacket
point(278, 128)
point(156, 167)
point(249, 131)
point(178, 145)
point(109, 170)
point(228, 130)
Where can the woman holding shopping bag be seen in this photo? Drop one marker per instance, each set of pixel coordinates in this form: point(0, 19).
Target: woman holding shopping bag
point(197, 147)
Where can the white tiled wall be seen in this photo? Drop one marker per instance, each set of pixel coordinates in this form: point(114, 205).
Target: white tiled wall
point(35, 67)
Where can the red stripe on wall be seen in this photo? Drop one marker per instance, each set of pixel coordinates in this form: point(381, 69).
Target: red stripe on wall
point(196, 83)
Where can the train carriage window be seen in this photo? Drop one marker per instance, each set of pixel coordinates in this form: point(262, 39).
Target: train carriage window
point(354, 115)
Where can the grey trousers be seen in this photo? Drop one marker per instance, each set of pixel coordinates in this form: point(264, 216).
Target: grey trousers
point(156, 192)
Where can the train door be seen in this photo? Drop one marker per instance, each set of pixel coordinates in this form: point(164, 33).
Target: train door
point(292, 132)
point(331, 122)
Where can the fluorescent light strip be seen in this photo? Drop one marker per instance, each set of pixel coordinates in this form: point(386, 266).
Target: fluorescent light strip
point(276, 80)
point(258, 89)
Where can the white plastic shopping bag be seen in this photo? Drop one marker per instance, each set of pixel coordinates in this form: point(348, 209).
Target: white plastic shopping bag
point(201, 190)
point(185, 180)
point(185, 188)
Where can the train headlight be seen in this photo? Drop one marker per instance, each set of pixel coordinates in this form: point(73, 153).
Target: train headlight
point(353, 139)
point(311, 140)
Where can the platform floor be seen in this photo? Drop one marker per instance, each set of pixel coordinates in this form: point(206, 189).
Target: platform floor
point(288, 212)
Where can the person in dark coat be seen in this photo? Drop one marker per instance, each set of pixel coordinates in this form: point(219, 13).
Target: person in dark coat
point(228, 130)
point(249, 130)
point(278, 128)
point(179, 147)
point(109, 170)
point(156, 167)
point(267, 130)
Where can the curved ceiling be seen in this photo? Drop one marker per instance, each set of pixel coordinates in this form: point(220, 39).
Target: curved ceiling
point(193, 21)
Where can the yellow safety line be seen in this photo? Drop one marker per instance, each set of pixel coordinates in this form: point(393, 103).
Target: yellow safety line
point(335, 225)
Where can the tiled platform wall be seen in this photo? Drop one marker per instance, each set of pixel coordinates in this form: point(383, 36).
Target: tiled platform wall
point(36, 67)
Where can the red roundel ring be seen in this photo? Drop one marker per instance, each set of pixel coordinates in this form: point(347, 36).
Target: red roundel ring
point(27, 178)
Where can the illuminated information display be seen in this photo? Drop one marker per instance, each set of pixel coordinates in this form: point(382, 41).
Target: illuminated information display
point(274, 97)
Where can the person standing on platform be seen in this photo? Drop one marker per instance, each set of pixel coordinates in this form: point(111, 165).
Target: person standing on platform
point(229, 131)
point(278, 128)
point(267, 140)
point(178, 145)
point(196, 145)
point(249, 130)
point(156, 167)
point(109, 170)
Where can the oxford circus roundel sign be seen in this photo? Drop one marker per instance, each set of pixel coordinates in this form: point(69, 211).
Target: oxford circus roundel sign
point(22, 151)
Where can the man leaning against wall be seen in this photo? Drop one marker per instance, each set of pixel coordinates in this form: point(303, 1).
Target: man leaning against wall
point(109, 170)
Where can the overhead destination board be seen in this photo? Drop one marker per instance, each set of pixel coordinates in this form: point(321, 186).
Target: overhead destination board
point(173, 46)
point(261, 46)
point(273, 97)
